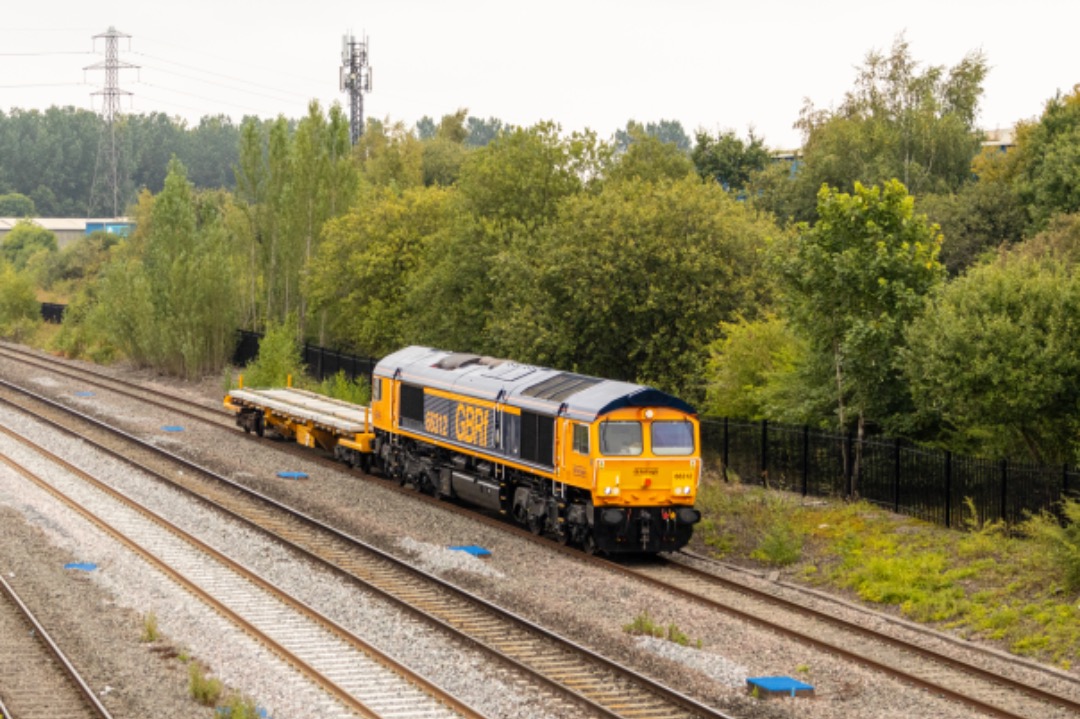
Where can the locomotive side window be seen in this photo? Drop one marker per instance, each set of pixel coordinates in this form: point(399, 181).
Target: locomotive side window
point(672, 438)
point(620, 438)
point(376, 389)
point(581, 438)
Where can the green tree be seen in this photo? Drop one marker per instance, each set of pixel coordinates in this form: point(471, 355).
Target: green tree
point(24, 240)
point(1048, 160)
point(996, 356)
point(174, 305)
point(632, 282)
point(15, 204)
point(444, 153)
point(727, 159)
point(19, 309)
point(505, 192)
point(979, 217)
point(666, 131)
point(522, 175)
point(362, 273)
point(390, 155)
point(482, 132)
point(752, 371)
point(900, 121)
point(649, 159)
point(852, 282)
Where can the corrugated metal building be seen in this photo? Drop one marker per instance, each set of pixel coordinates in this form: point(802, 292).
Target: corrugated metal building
point(69, 229)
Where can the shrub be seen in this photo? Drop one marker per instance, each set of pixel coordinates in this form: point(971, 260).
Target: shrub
point(279, 357)
point(205, 690)
point(340, 387)
point(643, 625)
point(1061, 539)
point(239, 707)
point(150, 628)
point(782, 545)
point(18, 303)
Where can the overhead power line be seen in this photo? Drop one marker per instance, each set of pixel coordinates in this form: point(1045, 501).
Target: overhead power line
point(43, 53)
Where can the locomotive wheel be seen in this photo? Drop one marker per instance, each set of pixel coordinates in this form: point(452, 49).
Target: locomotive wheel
point(589, 544)
point(536, 524)
point(563, 537)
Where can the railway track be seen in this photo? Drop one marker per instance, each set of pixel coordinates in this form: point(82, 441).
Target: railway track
point(364, 681)
point(985, 681)
point(173, 403)
point(988, 683)
point(36, 679)
point(572, 672)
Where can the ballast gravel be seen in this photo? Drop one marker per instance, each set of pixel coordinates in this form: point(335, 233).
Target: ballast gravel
point(585, 603)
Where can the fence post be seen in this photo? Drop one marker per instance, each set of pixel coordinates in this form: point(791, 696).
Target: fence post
point(849, 462)
point(805, 459)
point(765, 452)
point(896, 475)
point(948, 489)
point(724, 451)
point(1004, 486)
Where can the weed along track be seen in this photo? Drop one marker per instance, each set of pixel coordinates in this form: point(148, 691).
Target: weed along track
point(36, 678)
point(568, 677)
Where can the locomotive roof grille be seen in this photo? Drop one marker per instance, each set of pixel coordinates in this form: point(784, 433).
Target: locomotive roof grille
point(561, 386)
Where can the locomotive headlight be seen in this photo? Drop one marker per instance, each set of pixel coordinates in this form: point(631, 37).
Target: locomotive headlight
point(607, 490)
point(648, 414)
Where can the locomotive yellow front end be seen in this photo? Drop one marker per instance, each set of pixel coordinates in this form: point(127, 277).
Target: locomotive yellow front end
point(644, 467)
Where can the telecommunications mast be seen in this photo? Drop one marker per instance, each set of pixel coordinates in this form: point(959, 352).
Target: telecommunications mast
point(355, 79)
point(110, 109)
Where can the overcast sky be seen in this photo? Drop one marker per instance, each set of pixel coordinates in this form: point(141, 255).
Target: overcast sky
point(581, 63)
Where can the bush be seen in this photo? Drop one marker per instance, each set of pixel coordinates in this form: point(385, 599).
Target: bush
point(279, 357)
point(18, 303)
point(782, 545)
point(239, 707)
point(150, 628)
point(205, 690)
point(1061, 539)
point(348, 390)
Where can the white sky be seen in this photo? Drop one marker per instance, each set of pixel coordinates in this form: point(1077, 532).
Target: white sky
point(590, 63)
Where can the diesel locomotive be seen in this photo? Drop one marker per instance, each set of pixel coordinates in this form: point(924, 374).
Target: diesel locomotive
point(610, 466)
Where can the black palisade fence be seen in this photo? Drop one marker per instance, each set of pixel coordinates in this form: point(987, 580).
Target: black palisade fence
point(931, 484)
point(320, 361)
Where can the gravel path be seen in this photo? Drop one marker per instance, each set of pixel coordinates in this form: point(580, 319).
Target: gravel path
point(586, 603)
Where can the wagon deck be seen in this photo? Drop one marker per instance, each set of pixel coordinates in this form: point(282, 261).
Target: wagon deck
point(302, 407)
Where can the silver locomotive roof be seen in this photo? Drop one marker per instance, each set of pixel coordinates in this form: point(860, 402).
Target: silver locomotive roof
point(538, 389)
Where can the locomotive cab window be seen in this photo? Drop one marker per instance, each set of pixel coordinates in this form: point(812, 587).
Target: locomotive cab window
point(376, 389)
point(581, 438)
point(672, 438)
point(620, 439)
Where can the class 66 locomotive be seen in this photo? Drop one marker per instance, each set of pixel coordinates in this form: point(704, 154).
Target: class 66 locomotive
point(610, 466)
